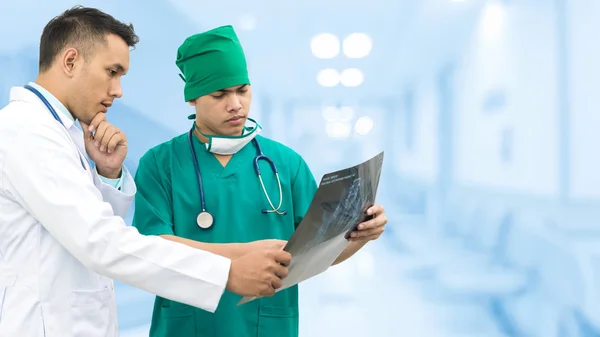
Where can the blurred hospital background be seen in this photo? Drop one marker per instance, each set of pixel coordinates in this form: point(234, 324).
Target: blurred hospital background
point(487, 111)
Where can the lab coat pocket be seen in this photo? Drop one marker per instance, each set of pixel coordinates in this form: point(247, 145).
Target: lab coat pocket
point(278, 321)
point(7, 279)
point(91, 315)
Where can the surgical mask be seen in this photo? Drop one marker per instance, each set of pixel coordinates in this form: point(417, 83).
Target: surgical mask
point(228, 145)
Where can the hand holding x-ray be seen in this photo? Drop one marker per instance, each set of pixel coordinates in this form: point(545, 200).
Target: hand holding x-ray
point(338, 207)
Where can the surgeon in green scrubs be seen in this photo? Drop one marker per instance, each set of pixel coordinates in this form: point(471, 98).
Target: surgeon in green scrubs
point(238, 216)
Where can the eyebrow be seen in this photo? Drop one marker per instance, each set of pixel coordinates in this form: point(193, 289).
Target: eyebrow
point(230, 90)
point(119, 67)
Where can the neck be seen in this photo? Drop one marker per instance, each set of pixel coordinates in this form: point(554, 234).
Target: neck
point(44, 80)
point(198, 135)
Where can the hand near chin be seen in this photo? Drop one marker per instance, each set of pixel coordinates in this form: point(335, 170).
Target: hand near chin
point(106, 145)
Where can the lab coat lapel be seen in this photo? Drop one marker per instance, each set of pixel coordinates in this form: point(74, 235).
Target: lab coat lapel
point(77, 137)
point(24, 95)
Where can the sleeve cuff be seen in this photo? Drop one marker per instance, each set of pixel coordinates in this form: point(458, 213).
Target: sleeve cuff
point(115, 183)
point(221, 267)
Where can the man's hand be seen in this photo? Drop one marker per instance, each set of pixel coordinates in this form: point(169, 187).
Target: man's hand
point(106, 145)
point(367, 231)
point(371, 229)
point(258, 273)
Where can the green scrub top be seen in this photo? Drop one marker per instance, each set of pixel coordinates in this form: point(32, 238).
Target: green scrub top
point(168, 201)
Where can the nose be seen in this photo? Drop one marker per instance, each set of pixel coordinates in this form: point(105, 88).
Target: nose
point(116, 90)
point(234, 104)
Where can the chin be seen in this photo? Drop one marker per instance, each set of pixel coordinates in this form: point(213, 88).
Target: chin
point(232, 130)
point(87, 119)
point(239, 130)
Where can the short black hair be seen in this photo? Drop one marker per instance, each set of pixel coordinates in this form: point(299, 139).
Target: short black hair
point(82, 27)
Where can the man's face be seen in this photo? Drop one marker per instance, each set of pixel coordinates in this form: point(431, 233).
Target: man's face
point(223, 112)
point(98, 81)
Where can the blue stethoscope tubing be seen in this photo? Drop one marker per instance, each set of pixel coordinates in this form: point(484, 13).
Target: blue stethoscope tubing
point(204, 218)
point(52, 111)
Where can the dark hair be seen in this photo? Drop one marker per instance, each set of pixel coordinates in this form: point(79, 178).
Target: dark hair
point(82, 27)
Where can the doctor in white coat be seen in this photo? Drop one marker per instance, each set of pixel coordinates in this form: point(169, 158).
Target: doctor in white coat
point(62, 234)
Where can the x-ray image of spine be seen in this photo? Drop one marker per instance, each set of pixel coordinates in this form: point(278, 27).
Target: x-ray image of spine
point(341, 216)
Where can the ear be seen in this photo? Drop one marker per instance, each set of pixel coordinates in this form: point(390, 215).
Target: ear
point(69, 61)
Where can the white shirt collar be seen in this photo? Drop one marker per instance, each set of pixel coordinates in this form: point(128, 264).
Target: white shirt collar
point(60, 108)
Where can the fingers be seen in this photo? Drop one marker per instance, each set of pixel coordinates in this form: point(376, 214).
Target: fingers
point(107, 137)
point(378, 221)
point(103, 133)
point(99, 134)
point(267, 287)
point(97, 120)
point(379, 218)
point(276, 284)
point(268, 290)
point(273, 282)
point(367, 233)
point(115, 140)
point(375, 210)
point(282, 257)
point(365, 239)
point(373, 228)
point(280, 271)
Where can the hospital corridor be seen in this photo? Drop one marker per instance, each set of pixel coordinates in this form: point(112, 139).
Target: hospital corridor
point(487, 112)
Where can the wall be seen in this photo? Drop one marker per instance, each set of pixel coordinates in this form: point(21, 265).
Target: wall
point(506, 103)
point(416, 131)
point(584, 54)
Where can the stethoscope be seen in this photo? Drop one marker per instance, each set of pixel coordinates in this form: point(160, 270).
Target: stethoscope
point(52, 111)
point(205, 219)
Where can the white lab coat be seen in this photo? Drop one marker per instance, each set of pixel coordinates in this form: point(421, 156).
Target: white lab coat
point(63, 237)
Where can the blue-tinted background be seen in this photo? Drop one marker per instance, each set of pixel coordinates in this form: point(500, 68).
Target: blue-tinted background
point(487, 112)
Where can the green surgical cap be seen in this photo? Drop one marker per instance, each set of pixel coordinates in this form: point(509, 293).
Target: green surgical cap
point(211, 61)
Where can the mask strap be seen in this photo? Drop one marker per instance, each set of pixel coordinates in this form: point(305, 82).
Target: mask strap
point(205, 135)
point(252, 128)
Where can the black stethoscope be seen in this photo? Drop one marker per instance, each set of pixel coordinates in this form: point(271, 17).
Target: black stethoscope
point(52, 111)
point(205, 219)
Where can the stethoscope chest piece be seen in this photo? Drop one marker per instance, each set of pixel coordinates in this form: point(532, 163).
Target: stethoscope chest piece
point(204, 220)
